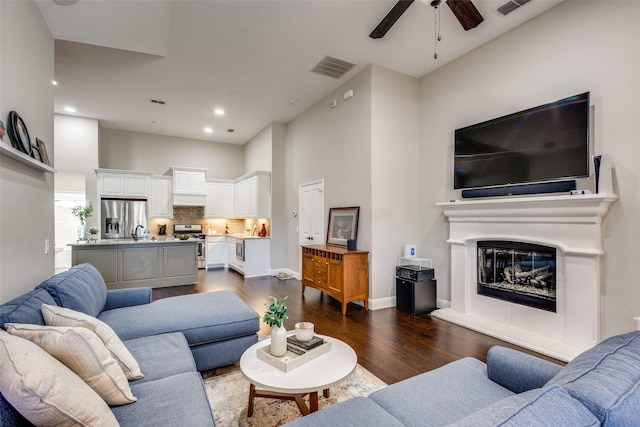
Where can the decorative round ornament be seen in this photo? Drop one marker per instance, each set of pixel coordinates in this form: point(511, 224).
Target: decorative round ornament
point(18, 133)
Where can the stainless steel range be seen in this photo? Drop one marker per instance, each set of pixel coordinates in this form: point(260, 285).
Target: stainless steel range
point(195, 231)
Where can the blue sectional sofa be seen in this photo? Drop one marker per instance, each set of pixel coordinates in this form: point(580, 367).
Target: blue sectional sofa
point(171, 339)
point(599, 387)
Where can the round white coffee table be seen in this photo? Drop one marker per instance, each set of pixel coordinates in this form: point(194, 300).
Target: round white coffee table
point(320, 373)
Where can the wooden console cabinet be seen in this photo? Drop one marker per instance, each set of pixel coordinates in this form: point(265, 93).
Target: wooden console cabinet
point(338, 272)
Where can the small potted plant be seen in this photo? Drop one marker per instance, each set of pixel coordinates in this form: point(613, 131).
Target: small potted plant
point(82, 213)
point(275, 314)
point(93, 233)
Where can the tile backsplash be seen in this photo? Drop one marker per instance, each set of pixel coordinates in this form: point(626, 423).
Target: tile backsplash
point(195, 215)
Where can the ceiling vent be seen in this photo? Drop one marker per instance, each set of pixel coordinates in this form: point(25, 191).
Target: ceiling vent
point(332, 67)
point(511, 5)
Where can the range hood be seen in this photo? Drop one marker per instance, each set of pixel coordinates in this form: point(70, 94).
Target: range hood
point(189, 200)
point(189, 186)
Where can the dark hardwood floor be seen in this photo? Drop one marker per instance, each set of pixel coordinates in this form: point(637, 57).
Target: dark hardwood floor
point(390, 344)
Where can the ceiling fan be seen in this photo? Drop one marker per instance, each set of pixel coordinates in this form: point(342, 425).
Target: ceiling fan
point(464, 10)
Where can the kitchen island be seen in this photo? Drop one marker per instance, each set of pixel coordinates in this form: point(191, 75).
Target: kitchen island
point(128, 263)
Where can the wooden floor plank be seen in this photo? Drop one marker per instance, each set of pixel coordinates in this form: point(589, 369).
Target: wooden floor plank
point(390, 344)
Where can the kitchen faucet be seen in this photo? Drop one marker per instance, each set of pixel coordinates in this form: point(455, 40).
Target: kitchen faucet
point(134, 233)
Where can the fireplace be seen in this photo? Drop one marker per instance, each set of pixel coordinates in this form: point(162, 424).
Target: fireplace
point(564, 233)
point(517, 272)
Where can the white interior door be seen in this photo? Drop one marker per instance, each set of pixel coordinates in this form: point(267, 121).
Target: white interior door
point(311, 213)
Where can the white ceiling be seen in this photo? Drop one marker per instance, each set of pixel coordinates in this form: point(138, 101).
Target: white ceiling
point(248, 57)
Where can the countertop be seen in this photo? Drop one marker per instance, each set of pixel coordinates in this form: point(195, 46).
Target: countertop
point(238, 236)
point(107, 242)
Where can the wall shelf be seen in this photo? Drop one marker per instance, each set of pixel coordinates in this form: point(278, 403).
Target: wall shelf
point(9, 151)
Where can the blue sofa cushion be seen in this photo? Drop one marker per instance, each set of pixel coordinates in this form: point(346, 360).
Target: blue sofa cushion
point(175, 401)
point(549, 407)
point(81, 288)
point(202, 318)
point(441, 396)
point(358, 411)
point(25, 308)
point(606, 379)
point(518, 371)
point(161, 356)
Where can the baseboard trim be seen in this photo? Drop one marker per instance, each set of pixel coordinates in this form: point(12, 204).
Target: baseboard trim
point(443, 303)
point(380, 303)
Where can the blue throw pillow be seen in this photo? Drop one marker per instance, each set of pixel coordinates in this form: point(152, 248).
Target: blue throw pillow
point(25, 308)
point(606, 379)
point(81, 288)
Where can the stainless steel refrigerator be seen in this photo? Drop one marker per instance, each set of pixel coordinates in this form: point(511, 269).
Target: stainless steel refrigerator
point(121, 217)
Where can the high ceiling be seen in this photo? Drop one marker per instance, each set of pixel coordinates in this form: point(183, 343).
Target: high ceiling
point(251, 58)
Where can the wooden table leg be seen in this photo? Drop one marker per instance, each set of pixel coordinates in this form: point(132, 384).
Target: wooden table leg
point(252, 394)
point(313, 401)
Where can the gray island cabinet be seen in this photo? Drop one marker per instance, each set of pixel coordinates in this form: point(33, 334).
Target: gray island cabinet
point(131, 264)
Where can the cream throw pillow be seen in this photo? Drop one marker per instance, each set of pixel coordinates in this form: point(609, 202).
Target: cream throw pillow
point(60, 316)
point(45, 391)
point(84, 353)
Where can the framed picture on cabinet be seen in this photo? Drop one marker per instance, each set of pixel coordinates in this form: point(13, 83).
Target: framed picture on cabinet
point(343, 226)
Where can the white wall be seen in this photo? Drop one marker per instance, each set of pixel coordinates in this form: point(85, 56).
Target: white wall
point(26, 194)
point(156, 153)
point(77, 150)
point(365, 149)
point(573, 48)
point(394, 178)
point(257, 152)
point(279, 213)
point(334, 144)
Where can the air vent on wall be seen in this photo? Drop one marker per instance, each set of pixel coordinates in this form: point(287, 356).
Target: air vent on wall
point(332, 67)
point(511, 5)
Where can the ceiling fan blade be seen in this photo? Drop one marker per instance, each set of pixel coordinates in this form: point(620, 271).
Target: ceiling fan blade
point(466, 13)
point(391, 18)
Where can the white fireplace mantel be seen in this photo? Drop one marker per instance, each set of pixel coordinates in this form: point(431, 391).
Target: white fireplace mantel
point(571, 224)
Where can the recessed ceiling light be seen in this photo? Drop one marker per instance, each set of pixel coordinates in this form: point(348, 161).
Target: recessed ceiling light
point(218, 112)
point(293, 101)
point(69, 109)
point(208, 130)
point(54, 82)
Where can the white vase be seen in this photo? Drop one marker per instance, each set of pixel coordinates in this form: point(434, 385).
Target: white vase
point(278, 341)
point(81, 232)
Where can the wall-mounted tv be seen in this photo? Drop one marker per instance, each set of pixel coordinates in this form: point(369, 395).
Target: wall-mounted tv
point(545, 143)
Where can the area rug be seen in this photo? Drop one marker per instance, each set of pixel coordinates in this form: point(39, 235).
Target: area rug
point(228, 393)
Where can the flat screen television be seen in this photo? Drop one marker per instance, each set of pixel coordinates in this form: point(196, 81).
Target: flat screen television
point(545, 143)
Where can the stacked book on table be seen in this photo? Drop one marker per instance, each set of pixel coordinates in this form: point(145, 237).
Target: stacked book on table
point(301, 347)
point(298, 353)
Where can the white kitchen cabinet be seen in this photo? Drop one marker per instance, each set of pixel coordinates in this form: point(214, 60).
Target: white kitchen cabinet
point(189, 181)
point(257, 257)
point(216, 251)
point(253, 196)
point(114, 183)
point(231, 251)
point(161, 200)
point(220, 200)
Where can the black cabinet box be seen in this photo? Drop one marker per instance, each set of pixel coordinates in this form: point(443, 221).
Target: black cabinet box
point(415, 297)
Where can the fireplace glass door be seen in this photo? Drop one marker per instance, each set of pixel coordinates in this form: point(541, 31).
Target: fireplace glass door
point(518, 272)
